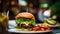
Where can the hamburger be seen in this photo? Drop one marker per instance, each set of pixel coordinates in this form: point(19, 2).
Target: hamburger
point(25, 20)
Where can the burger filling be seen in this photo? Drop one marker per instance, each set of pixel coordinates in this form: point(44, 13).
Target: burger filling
point(25, 23)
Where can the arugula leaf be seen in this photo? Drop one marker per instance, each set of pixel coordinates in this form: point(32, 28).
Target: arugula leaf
point(24, 20)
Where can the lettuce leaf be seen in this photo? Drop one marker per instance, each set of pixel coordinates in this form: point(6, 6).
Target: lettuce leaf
point(25, 21)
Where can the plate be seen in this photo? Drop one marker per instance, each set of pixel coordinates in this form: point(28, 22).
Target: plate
point(50, 25)
point(18, 31)
point(54, 26)
point(11, 23)
point(14, 30)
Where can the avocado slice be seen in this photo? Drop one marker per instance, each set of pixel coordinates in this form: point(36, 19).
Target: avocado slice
point(51, 22)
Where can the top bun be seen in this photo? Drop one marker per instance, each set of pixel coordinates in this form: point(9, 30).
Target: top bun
point(25, 15)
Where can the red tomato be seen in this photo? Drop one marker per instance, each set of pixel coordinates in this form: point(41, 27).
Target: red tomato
point(34, 29)
point(37, 27)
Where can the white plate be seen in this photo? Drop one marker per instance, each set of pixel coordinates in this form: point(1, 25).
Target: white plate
point(11, 23)
point(49, 25)
point(54, 26)
point(18, 31)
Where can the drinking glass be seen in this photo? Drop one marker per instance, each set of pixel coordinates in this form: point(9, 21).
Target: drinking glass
point(4, 21)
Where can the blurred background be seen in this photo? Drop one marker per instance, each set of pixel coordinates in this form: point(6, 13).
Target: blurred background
point(16, 6)
point(11, 8)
